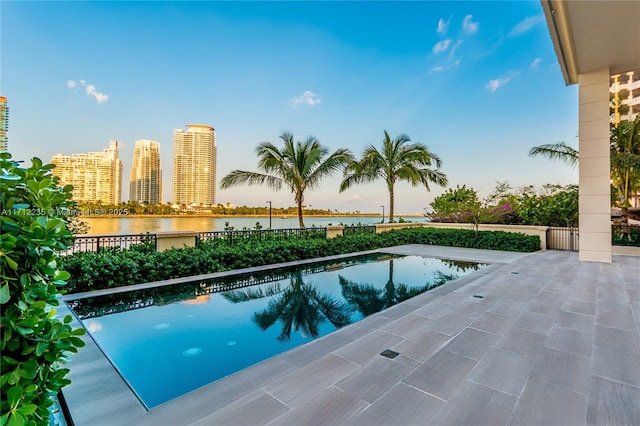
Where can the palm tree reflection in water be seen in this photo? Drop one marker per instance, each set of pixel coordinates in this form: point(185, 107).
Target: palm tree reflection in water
point(369, 299)
point(300, 307)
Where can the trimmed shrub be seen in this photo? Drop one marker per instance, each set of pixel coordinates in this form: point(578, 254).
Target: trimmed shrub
point(115, 268)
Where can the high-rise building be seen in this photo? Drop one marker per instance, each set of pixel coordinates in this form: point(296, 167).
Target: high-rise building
point(4, 124)
point(626, 87)
point(194, 165)
point(96, 176)
point(146, 177)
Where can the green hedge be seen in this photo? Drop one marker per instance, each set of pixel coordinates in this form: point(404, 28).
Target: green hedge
point(115, 268)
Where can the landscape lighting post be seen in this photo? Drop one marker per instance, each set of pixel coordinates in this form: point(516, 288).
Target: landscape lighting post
point(382, 214)
point(269, 214)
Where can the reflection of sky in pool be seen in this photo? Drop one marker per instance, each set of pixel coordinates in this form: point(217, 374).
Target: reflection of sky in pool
point(167, 350)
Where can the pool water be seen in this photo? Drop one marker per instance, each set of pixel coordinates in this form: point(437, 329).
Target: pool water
point(171, 340)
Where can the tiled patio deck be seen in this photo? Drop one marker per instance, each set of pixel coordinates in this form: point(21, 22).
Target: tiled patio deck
point(552, 341)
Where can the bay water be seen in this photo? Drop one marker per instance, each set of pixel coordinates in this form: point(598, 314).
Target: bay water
point(124, 225)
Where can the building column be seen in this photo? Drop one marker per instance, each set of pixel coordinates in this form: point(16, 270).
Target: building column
point(594, 165)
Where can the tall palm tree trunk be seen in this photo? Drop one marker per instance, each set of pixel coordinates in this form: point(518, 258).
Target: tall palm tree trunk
point(391, 205)
point(300, 220)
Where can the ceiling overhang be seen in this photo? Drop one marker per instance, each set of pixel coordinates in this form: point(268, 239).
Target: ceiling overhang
point(589, 35)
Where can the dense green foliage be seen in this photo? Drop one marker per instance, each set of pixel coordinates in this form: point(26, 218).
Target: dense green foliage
point(112, 268)
point(34, 344)
point(554, 206)
point(558, 208)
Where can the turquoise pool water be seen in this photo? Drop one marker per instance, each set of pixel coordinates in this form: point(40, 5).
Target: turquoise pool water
point(168, 341)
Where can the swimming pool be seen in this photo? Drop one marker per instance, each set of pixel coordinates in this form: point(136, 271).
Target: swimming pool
point(168, 341)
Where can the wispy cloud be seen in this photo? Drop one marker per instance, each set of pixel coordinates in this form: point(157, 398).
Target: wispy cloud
point(441, 46)
point(469, 26)
point(443, 26)
point(535, 63)
point(453, 49)
point(90, 90)
point(526, 25)
point(307, 98)
point(497, 83)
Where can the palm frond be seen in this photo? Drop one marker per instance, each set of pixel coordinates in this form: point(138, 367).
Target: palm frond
point(243, 177)
point(557, 151)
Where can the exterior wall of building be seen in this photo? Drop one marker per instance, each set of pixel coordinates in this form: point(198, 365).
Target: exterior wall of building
point(145, 184)
point(96, 176)
point(194, 165)
point(594, 167)
point(4, 124)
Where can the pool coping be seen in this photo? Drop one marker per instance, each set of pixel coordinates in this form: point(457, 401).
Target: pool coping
point(99, 395)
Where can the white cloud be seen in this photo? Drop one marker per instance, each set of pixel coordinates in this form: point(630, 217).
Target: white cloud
point(443, 26)
point(534, 64)
point(454, 47)
point(468, 25)
point(100, 97)
point(90, 90)
point(308, 98)
point(441, 46)
point(526, 25)
point(495, 84)
point(437, 69)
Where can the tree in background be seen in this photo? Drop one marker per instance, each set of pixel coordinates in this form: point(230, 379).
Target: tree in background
point(33, 342)
point(298, 166)
point(625, 161)
point(399, 160)
point(458, 205)
point(553, 205)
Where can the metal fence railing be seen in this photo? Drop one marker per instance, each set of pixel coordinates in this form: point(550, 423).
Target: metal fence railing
point(562, 238)
point(95, 243)
point(625, 235)
point(234, 237)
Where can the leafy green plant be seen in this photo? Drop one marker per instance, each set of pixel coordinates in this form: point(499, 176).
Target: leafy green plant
point(33, 342)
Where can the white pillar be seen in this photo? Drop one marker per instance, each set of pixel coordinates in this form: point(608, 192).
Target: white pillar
point(594, 165)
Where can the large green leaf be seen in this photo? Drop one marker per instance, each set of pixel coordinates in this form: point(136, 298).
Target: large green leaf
point(5, 294)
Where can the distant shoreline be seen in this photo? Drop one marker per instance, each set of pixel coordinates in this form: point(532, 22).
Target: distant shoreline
point(231, 216)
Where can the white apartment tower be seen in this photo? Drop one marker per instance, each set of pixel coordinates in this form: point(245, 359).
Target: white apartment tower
point(145, 184)
point(96, 176)
point(194, 165)
point(626, 86)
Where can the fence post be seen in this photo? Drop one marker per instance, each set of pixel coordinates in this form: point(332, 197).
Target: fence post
point(571, 236)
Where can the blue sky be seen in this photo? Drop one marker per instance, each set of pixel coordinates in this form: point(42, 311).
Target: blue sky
point(477, 82)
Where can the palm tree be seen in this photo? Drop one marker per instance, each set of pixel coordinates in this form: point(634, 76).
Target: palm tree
point(557, 151)
point(298, 166)
point(398, 160)
point(625, 160)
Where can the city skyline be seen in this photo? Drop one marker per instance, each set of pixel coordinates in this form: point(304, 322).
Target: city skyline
point(477, 82)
